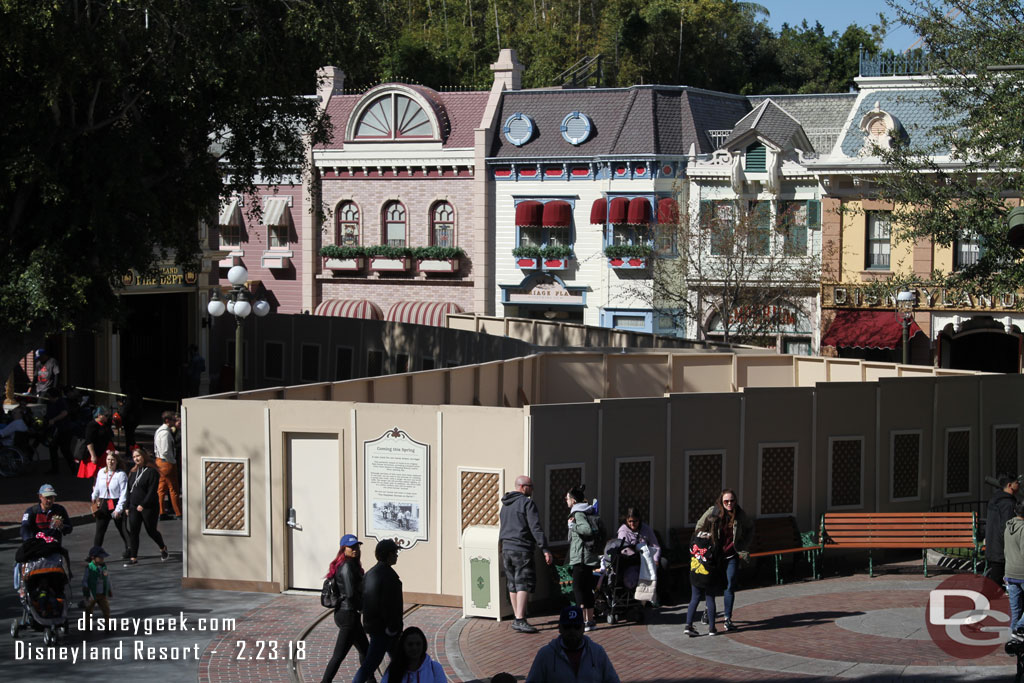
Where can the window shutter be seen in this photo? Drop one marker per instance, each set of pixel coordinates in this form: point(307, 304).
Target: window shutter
point(707, 209)
point(756, 158)
point(813, 214)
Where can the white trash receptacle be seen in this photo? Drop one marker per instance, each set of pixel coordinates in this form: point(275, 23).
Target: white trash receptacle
point(483, 579)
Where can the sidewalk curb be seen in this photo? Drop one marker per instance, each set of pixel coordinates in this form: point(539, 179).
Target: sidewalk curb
point(14, 531)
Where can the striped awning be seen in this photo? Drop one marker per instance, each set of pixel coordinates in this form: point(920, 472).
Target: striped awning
point(529, 214)
point(618, 210)
point(349, 308)
point(557, 214)
point(668, 210)
point(230, 214)
point(599, 211)
point(275, 211)
point(422, 312)
point(639, 211)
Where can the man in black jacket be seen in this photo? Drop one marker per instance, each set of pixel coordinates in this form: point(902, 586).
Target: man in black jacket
point(519, 534)
point(383, 605)
point(46, 516)
point(1000, 511)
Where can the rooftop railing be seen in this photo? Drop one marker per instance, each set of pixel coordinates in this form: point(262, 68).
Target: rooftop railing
point(889, 63)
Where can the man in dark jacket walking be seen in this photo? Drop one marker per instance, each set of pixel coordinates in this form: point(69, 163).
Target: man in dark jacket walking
point(382, 608)
point(1000, 511)
point(520, 533)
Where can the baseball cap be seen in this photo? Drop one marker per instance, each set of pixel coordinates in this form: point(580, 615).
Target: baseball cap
point(40, 352)
point(98, 551)
point(571, 615)
point(46, 490)
point(349, 540)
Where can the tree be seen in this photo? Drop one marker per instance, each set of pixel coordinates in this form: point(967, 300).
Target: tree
point(956, 181)
point(111, 110)
point(739, 275)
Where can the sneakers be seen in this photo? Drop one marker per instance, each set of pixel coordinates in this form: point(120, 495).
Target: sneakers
point(729, 626)
point(130, 562)
point(1017, 634)
point(690, 631)
point(523, 626)
point(164, 554)
point(704, 617)
point(589, 626)
point(713, 632)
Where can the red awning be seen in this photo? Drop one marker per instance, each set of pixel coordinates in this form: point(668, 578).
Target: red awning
point(867, 330)
point(599, 211)
point(639, 211)
point(668, 210)
point(349, 308)
point(557, 214)
point(528, 214)
point(618, 210)
point(422, 312)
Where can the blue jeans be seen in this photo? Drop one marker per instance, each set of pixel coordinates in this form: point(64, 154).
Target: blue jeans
point(380, 645)
point(731, 566)
point(696, 594)
point(1016, 595)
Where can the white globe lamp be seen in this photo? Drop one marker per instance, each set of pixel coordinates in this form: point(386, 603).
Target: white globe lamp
point(238, 275)
point(261, 308)
point(242, 308)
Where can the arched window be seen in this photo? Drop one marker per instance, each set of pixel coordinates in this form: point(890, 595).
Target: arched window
point(393, 117)
point(347, 232)
point(394, 224)
point(442, 225)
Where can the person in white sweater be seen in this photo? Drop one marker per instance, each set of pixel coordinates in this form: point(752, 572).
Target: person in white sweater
point(410, 662)
point(109, 493)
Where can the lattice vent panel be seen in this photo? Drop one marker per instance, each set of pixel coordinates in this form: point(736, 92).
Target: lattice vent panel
point(958, 462)
point(778, 464)
point(224, 493)
point(906, 455)
point(703, 483)
point(846, 472)
point(480, 498)
point(1006, 450)
point(635, 487)
point(559, 482)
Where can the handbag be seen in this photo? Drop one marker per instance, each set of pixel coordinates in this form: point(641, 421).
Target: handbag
point(95, 507)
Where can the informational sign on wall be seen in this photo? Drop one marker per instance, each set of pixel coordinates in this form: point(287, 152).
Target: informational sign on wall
point(396, 477)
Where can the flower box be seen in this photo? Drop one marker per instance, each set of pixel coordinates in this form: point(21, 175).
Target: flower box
point(388, 265)
point(343, 264)
point(555, 263)
point(628, 263)
point(445, 265)
point(527, 263)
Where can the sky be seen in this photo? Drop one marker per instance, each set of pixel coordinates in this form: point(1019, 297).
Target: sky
point(836, 15)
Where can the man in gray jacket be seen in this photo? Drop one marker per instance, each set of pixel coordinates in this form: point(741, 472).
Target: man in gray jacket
point(572, 656)
point(519, 534)
point(1013, 547)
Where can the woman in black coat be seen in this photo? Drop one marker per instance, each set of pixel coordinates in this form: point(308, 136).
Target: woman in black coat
point(348, 575)
point(142, 505)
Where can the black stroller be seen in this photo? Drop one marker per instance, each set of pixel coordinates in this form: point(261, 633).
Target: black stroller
point(44, 592)
point(612, 600)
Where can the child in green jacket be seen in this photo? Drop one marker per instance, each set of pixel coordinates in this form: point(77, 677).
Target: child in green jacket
point(98, 590)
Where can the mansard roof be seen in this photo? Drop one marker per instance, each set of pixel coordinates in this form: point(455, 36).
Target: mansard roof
point(459, 113)
point(915, 108)
point(639, 120)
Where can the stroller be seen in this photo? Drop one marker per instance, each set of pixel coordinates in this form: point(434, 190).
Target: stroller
point(612, 599)
point(43, 588)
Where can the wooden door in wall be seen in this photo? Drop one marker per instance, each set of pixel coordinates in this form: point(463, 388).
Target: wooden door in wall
point(314, 507)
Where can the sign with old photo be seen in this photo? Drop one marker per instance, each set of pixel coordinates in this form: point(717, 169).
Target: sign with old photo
point(396, 476)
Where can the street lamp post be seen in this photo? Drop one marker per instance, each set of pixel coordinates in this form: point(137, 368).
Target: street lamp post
point(905, 313)
point(239, 305)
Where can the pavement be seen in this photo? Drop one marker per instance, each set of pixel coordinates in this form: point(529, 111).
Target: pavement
point(844, 626)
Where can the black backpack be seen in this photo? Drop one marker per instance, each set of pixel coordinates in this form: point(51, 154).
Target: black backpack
point(598, 534)
point(330, 596)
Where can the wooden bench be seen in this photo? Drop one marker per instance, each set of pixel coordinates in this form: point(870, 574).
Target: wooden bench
point(773, 537)
point(903, 530)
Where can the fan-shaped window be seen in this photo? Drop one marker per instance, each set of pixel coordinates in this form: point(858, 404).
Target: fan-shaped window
point(442, 225)
point(347, 233)
point(576, 128)
point(394, 224)
point(518, 129)
point(394, 117)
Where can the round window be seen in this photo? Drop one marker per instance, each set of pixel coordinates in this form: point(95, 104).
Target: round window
point(576, 128)
point(518, 129)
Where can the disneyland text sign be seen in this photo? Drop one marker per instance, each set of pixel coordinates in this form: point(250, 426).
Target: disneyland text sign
point(938, 298)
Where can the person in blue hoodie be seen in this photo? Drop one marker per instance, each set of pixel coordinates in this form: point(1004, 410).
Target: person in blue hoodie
point(572, 656)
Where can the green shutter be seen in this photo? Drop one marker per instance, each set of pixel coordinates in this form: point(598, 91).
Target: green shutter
point(756, 158)
point(813, 214)
point(759, 228)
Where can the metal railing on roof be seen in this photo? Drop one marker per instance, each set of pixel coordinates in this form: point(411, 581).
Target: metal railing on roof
point(581, 72)
point(913, 63)
point(823, 139)
point(718, 137)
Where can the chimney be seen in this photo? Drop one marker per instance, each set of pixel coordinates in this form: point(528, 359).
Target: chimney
point(508, 71)
point(329, 79)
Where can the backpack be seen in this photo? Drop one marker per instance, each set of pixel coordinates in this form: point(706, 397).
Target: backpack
point(598, 534)
point(330, 595)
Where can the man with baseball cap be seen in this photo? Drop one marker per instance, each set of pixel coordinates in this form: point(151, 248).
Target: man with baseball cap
point(572, 656)
point(383, 605)
point(45, 516)
point(46, 371)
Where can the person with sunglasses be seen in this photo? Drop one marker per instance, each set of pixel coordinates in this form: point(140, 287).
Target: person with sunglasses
point(735, 533)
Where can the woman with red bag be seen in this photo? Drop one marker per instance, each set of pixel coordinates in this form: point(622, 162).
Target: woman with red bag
point(99, 438)
point(108, 497)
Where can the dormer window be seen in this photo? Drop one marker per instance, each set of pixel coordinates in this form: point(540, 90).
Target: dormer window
point(576, 128)
point(879, 128)
point(518, 129)
point(756, 158)
point(394, 117)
